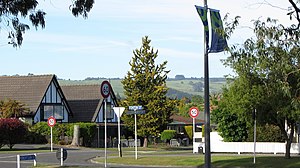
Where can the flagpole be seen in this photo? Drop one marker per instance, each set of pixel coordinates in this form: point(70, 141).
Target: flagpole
point(206, 100)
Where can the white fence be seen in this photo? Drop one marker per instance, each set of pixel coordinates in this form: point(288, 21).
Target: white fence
point(218, 146)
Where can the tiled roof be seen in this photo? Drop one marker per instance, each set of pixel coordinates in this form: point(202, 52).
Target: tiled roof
point(84, 101)
point(26, 89)
point(180, 120)
point(82, 92)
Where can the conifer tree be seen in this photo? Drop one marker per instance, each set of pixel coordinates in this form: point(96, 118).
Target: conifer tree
point(145, 85)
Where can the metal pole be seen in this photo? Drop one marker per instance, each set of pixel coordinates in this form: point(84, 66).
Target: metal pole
point(105, 134)
point(193, 131)
point(18, 161)
point(135, 136)
point(51, 139)
point(119, 134)
point(206, 100)
point(254, 136)
point(61, 157)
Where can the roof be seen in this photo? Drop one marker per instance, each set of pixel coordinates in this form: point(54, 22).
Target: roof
point(29, 90)
point(84, 101)
point(82, 92)
point(180, 120)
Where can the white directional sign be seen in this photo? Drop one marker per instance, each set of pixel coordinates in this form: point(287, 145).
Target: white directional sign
point(194, 112)
point(119, 111)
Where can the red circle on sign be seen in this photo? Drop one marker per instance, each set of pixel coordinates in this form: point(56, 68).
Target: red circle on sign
point(105, 89)
point(51, 121)
point(194, 112)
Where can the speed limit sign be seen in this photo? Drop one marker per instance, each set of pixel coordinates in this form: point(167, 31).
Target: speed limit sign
point(194, 112)
point(105, 89)
point(51, 121)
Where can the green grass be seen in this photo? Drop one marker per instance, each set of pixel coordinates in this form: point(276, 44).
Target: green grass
point(224, 161)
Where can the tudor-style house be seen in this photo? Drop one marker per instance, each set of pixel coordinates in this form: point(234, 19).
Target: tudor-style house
point(40, 93)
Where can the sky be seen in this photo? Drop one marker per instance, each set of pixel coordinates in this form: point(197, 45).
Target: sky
point(102, 45)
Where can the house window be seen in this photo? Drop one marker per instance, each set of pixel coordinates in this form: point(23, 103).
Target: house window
point(109, 111)
point(55, 110)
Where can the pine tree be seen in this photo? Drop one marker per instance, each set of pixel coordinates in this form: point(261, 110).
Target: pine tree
point(145, 85)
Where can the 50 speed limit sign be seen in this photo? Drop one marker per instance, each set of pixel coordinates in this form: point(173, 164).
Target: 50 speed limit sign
point(51, 121)
point(105, 89)
point(194, 112)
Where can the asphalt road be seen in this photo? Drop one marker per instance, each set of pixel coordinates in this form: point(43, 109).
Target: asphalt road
point(77, 157)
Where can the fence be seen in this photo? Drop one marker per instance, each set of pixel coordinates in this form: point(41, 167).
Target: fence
point(218, 146)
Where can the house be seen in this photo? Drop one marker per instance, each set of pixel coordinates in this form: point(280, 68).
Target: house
point(179, 122)
point(40, 93)
point(88, 105)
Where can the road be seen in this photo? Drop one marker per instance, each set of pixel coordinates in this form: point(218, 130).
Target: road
point(77, 157)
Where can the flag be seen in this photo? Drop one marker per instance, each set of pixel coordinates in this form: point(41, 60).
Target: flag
point(203, 15)
point(218, 42)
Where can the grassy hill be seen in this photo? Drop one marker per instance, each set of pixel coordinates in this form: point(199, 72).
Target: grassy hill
point(177, 88)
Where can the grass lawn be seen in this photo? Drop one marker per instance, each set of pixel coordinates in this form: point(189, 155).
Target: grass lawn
point(224, 161)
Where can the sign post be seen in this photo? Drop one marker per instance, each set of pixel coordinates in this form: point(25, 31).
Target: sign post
point(51, 122)
point(136, 110)
point(105, 92)
point(194, 112)
point(119, 113)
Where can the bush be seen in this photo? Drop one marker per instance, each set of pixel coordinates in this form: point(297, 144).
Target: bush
point(189, 131)
point(168, 135)
point(41, 131)
point(12, 131)
point(266, 133)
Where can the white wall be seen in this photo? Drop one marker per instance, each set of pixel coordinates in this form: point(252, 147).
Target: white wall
point(218, 146)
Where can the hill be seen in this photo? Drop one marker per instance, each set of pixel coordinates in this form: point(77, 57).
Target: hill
point(177, 87)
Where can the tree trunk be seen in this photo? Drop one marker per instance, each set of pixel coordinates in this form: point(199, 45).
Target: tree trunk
point(145, 142)
point(289, 143)
point(76, 135)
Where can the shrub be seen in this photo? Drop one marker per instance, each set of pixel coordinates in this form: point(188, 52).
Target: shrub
point(12, 131)
point(266, 133)
point(168, 135)
point(189, 131)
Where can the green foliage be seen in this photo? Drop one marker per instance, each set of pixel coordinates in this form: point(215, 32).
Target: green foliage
point(168, 135)
point(145, 85)
point(267, 77)
point(12, 131)
point(184, 105)
point(87, 131)
point(189, 131)
point(12, 108)
point(266, 133)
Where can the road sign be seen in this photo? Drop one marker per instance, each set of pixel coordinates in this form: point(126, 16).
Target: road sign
point(194, 112)
point(136, 112)
point(51, 121)
point(105, 89)
point(119, 111)
point(27, 157)
point(135, 108)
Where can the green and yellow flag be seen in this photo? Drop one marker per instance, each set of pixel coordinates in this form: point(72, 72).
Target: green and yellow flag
point(203, 15)
point(218, 42)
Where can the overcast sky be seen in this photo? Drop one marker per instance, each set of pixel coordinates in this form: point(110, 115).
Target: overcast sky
point(103, 44)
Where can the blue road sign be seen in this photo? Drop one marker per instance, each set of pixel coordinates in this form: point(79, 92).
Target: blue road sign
point(27, 157)
point(135, 108)
point(136, 112)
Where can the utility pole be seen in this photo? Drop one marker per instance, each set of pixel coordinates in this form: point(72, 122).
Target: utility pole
point(206, 100)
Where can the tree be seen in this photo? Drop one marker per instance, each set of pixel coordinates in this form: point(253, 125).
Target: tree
point(13, 11)
point(12, 131)
point(12, 108)
point(268, 71)
point(145, 85)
